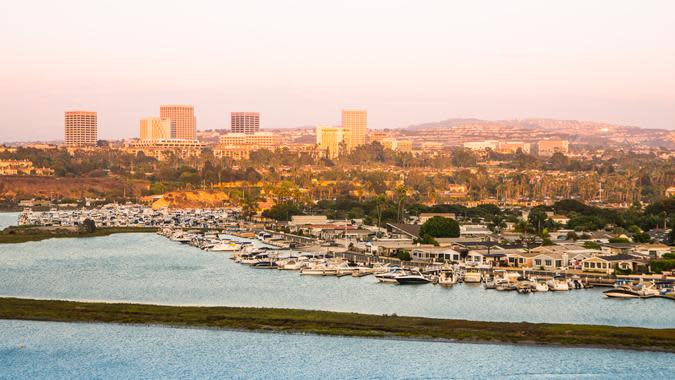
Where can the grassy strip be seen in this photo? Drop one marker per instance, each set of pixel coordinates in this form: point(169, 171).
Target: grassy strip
point(345, 324)
point(23, 234)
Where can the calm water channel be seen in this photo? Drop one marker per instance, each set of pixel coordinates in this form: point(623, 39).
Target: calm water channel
point(149, 268)
point(46, 350)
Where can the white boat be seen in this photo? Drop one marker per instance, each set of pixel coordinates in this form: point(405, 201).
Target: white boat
point(293, 264)
point(623, 292)
point(447, 279)
point(180, 237)
point(473, 277)
point(414, 278)
point(558, 284)
point(503, 284)
point(539, 285)
point(320, 268)
point(225, 247)
point(362, 271)
point(390, 277)
point(524, 286)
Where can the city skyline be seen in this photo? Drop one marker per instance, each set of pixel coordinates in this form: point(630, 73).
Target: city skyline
point(419, 63)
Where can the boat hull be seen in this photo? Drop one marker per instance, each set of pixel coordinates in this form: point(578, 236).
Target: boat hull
point(412, 280)
point(621, 293)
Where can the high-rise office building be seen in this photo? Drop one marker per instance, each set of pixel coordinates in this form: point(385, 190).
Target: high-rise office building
point(183, 123)
point(329, 139)
point(155, 128)
point(81, 128)
point(355, 127)
point(245, 122)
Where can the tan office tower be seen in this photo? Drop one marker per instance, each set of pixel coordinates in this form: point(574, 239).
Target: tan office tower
point(81, 128)
point(329, 139)
point(183, 124)
point(354, 126)
point(155, 128)
point(245, 122)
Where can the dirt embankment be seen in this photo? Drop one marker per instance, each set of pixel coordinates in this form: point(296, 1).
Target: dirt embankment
point(26, 187)
point(192, 199)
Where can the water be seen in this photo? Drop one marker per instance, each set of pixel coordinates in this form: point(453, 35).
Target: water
point(8, 219)
point(47, 350)
point(148, 268)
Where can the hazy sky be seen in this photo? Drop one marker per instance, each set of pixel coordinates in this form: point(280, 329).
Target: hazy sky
point(300, 62)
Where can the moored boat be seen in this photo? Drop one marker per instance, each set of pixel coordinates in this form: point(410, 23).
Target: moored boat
point(414, 278)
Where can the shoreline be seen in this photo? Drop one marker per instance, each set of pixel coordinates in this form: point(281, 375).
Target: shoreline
point(325, 323)
point(28, 234)
point(208, 305)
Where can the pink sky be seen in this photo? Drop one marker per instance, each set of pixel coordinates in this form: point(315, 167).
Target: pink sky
point(300, 62)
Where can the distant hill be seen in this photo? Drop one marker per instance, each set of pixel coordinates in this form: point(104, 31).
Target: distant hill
point(582, 132)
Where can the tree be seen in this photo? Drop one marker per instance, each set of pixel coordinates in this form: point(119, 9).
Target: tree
point(249, 203)
point(403, 255)
point(426, 239)
point(591, 245)
point(401, 197)
point(88, 226)
point(641, 237)
point(538, 219)
point(282, 211)
point(439, 226)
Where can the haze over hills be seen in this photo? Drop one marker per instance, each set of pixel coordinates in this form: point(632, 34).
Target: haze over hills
point(583, 132)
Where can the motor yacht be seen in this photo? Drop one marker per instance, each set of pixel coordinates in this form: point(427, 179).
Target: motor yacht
point(390, 277)
point(503, 284)
point(539, 285)
point(293, 264)
point(524, 286)
point(224, 247)
point(265, 264)
point(447, 279)
point(413, 278)
point(319, 269)
point(473, 277)
point(557, 284)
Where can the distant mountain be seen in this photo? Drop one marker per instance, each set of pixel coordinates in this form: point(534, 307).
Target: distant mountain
point(446, 123)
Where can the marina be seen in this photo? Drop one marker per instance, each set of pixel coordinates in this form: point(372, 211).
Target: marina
point(148, 268)
point(322, 261)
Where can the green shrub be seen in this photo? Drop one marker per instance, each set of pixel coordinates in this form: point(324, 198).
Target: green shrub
point(403, 255)
point(659, 266)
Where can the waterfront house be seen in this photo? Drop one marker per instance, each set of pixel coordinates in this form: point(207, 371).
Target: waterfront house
point(516, 257)
point(608, 264)
point(403, 230)
point(389, 247)
point(475, 256)
point(652, 250)
point(575, 257)
point(548, 260)
point(617, 248)
point(435, 254)
point(597, 264)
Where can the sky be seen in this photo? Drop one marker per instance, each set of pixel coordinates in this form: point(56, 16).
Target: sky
point(300, 62)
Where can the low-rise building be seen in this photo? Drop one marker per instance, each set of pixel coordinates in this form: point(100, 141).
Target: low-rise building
point(159, 149)
point(435, 254)
point(22, 167)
